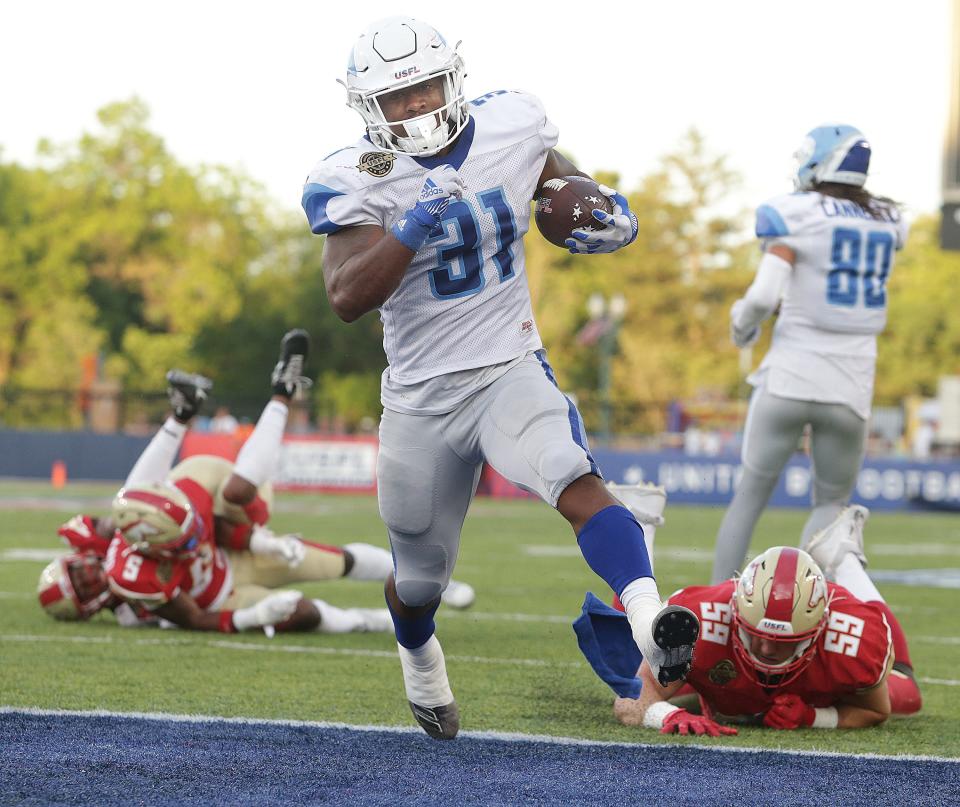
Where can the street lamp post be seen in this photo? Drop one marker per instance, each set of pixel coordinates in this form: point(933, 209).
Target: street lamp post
point(609, 313)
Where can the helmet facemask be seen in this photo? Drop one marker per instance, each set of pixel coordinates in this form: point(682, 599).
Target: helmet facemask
point(425, 134)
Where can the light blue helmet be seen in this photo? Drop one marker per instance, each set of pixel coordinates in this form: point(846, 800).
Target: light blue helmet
point(832, 153)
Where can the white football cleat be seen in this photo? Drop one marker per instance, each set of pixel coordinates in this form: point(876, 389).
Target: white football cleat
point(645, 500)
point(428, 690)
point(842, 537)
point(667, 645)
point(458, 595)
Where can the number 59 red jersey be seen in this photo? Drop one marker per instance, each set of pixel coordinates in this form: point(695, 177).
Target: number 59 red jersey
point(852, 654)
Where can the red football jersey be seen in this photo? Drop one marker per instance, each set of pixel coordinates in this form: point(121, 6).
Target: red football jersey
point(206, 576)
point(852, 653)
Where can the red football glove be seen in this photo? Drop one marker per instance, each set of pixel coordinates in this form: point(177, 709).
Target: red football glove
point(789, 712)
point(81, 533)
point(683, 722)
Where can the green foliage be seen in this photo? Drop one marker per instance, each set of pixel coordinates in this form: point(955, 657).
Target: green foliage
point(680, 276)
point(113, 249)
point(922, 339)
point(512, 659)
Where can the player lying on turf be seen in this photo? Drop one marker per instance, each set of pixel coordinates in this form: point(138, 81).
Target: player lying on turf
point(779, 646)
point(193, 548)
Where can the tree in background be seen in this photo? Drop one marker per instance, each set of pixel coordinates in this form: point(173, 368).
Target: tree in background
point(112, 248)
point(679, 277)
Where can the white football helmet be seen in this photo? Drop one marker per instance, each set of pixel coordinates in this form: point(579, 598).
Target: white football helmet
point(396, 53)
point(832, 153)
point(780, 597)
point(74, 587)
point(158, 519)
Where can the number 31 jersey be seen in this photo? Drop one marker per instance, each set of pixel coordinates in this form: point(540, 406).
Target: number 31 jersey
point(463, 302)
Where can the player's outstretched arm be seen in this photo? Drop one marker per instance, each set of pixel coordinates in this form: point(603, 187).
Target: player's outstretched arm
point(653, 710)
point(273, 609)
point(859, 711)
point(184, 612)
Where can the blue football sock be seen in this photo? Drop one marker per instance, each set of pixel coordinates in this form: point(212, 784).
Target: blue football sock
point(612, 545)
point(414, 633)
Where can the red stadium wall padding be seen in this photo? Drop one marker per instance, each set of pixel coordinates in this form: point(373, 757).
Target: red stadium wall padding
point(328, 463)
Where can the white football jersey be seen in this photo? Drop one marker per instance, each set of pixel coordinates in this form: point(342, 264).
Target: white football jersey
point(835, 302)
point(463, 302)
point(843, 260)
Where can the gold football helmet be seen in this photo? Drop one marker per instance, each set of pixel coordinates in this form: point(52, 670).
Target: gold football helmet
point(780, 608)
point(74, 587)
point(158, 519)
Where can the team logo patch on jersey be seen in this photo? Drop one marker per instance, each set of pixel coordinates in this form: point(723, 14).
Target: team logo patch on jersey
point(376, 163)
point(164, 571)
point(722, 673)
point(526, 326)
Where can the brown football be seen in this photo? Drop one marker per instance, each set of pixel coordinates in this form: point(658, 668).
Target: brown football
point(567, 204)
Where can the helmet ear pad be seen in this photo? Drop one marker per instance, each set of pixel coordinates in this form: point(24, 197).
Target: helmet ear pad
point(781, 597)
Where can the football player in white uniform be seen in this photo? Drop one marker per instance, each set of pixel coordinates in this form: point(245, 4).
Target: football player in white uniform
point(828, 252)
point(424, 219)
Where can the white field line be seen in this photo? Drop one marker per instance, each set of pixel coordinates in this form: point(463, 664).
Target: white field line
point(935, 639)
point(514, 737)
point(229, 644)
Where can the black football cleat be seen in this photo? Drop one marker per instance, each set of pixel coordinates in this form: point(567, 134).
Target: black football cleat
point(187, 392)
point(675, 631)
point(288, 378)
point(440, 722)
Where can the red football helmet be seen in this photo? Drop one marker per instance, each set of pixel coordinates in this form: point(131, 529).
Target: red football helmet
point(74, 587)
point(781, 598)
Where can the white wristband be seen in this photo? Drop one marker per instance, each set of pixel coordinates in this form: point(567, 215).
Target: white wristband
point(657, 712)
point(827, 718)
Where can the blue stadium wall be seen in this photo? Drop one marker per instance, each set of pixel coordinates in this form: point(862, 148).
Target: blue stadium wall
point(883, 484)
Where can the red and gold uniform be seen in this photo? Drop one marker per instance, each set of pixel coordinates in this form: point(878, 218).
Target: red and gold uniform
point(203, 573)
point(851, 654)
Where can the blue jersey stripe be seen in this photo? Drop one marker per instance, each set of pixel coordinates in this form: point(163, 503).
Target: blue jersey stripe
point(770, 223)
point(314, 201)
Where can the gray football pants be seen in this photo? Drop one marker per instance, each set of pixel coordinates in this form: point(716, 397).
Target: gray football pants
point(771, 435)
point(428, 467)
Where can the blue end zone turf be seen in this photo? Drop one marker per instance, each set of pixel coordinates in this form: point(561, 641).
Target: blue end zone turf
point(105, 760)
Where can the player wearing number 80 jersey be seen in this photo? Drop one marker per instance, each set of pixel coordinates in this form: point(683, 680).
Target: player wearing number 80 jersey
point(828, 253)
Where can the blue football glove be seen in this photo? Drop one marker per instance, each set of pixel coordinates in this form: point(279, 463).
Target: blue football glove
point(620, 228)
point(441, 184)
